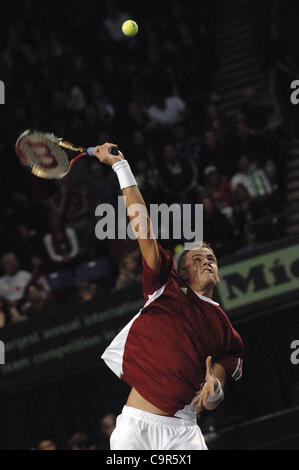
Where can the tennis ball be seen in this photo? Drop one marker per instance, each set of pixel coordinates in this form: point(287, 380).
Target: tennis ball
point(129, 28)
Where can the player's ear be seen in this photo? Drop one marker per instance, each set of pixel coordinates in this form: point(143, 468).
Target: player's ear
point(183, 273)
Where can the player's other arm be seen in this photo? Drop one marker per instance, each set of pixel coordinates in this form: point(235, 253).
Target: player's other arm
point(215, 378)
point(134, 200)
point(218, 372)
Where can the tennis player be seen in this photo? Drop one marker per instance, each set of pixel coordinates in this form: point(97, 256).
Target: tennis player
point(178, 351)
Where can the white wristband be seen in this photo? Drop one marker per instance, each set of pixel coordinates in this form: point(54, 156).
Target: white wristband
point(218, 393)
point(124, 174)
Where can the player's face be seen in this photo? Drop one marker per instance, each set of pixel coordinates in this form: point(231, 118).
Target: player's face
point(202, 267)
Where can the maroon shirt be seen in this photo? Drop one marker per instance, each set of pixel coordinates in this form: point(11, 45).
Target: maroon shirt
point(162, 352)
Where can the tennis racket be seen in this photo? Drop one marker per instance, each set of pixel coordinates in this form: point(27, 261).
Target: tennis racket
point(48, 156)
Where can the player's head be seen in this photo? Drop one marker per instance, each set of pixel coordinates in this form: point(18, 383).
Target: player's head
point(198, 267)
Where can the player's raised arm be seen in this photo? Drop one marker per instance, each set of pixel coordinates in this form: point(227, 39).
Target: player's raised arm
point(143, 230)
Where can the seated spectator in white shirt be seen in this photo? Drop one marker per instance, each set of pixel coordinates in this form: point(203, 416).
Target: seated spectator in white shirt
point(165, 112)
point(14, 281)
point(61, 242)
point(247, 179)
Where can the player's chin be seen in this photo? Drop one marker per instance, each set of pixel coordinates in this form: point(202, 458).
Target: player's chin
point(209, 278)
point(209, 275)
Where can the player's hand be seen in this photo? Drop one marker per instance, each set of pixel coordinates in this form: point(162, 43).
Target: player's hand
point(207, 389)
point(101, 152)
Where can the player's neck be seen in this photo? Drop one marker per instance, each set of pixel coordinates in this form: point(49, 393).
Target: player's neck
point(205, 291)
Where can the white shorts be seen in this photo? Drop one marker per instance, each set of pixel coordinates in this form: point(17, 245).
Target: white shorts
point(138, 430)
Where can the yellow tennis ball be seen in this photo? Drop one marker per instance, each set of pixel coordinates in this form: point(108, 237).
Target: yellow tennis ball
point(129, 28)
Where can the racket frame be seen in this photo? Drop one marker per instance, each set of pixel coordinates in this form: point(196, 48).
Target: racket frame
point(63, 161)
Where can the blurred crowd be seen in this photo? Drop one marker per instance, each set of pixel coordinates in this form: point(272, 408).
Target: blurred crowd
point(81, 440)
point(98, 438)
point(153, 96)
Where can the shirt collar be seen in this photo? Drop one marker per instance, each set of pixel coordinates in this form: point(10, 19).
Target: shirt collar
point(207, 299)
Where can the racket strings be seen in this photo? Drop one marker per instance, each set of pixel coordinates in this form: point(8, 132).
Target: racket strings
point(44, 155)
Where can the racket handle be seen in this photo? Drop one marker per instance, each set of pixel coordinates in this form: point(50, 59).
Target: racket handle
point(112, 150)
point(90, 151)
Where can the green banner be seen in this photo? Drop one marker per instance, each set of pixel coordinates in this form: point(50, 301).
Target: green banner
point(259, 278)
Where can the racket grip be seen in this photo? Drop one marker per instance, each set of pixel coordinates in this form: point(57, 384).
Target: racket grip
point(90, 151)
point(113, 150)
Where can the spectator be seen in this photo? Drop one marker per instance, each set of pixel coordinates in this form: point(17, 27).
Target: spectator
point(70, 202)
point(37, 267)
point(244, 139)
point(58, 200)
point(13, 283)
point(14, 314)
point(47, 444)
point(147, 177)
point(77, 100)
point(219, 187)
point(10, 313)
point(108, 423)
point(178, 175)
point(217, 228)
point(36, 301)
point(165, 112)
point(242, 215)
point(105, 109)
point(61, 243)
point(216, 120)
point(3, 313)
point(79, 441)
point(254, 180)
point(129, 271)
point(212, 153)
point(77, 215)
point(85, 291)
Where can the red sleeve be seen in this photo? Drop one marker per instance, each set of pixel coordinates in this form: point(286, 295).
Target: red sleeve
point(232, 358)
point(153, 280)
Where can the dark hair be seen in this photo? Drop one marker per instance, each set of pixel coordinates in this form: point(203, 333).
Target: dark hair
point(79, 439)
